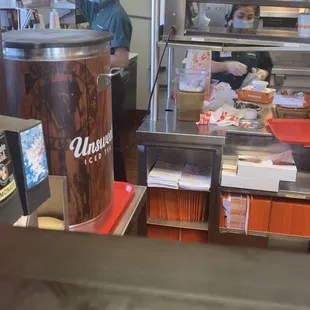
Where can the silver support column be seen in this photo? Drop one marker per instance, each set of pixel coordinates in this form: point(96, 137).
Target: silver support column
point(154, 57)
point(170, 73)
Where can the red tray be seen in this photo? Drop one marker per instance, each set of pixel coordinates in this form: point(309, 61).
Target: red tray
point(123, 193)
point(106, 222)
point(293, 131)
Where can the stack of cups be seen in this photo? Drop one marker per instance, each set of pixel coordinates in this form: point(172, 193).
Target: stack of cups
point(304, 25)
point(54, 20)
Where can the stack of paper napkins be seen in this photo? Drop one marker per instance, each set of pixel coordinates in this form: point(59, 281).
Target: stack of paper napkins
point(165, 175)
point(195, 179)
point(186, 177)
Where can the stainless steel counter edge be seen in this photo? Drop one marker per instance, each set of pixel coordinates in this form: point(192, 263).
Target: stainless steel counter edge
point(137, 202)
point(133, 57)
point(167, 129)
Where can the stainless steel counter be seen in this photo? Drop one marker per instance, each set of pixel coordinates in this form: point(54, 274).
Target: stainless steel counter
point(56, 270)
point(169, 139)
point(132, 212)
point(169, 130)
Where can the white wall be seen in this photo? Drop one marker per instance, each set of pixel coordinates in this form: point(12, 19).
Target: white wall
point(140, 14)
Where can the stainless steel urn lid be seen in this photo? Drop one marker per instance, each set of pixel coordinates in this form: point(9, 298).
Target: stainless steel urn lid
point(54, 44)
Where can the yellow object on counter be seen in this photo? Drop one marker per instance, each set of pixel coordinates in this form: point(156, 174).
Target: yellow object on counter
point(189, 106)
point(50, 223)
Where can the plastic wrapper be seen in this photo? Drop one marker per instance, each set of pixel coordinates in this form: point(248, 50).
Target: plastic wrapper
point(200, 60)
point(288, 100)
point(256, 74)
point(222, 95)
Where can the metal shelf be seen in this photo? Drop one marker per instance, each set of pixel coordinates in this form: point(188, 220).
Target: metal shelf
point(281, 194)
point(244, 38)
point(63, 6)
point(219, 47)
point(178, 224)
point(294, 190)
point(35, 4)
point(203, 46)
point(282, 3)
point(279, 14)
point(262, 234)
point(225, 230)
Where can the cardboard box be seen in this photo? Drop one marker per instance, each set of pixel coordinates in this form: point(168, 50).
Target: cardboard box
point(192, 235)
point(267, 169)
point(260, 209)
point(263, 97)
point(230, 179)
point(163, 233)
point(290, 217)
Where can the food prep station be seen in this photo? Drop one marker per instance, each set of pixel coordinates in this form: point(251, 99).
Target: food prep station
point(163, 137)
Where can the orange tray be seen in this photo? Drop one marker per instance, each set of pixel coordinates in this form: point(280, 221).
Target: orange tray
point(293, 131)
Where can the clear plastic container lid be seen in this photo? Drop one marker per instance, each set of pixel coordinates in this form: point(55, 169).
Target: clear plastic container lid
point(193, 81)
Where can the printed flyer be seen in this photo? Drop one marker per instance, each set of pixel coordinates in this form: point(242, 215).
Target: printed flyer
point(34, 155)
point(7, 180)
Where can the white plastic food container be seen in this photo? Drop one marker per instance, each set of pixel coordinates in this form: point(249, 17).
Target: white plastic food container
point(304, 25)
point(250, 114)
point(192, 81)
point(259, 85)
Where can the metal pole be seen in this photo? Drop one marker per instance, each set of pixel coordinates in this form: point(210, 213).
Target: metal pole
point(154, 57)
point(170, 73)
point(3, 94)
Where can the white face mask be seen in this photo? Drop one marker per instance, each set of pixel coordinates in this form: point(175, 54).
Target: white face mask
point(240, 23)
point(95, 1)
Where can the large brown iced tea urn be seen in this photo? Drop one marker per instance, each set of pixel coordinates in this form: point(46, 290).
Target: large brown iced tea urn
point(62, 78)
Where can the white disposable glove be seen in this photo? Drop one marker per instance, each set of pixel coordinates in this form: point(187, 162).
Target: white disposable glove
point(236, 68)
point(261, 74)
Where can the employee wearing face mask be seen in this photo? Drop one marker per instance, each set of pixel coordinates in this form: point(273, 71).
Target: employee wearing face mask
point(109, 15)
point(232, 68)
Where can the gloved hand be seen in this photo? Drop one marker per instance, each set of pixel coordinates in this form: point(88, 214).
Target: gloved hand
point(261, 74)
point(236, 68)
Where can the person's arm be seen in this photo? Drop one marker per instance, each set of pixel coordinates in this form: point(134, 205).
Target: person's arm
point(120, 58)
point(87, 8)
point(265, 63)
point(218, 67)
point(229, 67)
point(120, 44)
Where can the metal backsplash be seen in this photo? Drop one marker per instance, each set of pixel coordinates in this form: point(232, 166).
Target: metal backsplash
point(36, 3)
point(56, 4)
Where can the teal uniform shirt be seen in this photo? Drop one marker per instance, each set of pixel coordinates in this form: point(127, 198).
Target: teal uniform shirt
point(261, 60)
point(108, 15)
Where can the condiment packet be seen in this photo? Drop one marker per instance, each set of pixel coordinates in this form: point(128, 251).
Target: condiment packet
point(225, 116)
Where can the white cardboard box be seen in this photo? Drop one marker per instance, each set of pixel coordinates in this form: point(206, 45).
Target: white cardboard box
point(230, 179)
point(267, 170)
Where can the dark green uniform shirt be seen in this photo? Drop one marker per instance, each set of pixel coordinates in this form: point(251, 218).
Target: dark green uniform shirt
point(109, 16)
point(261, 60)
